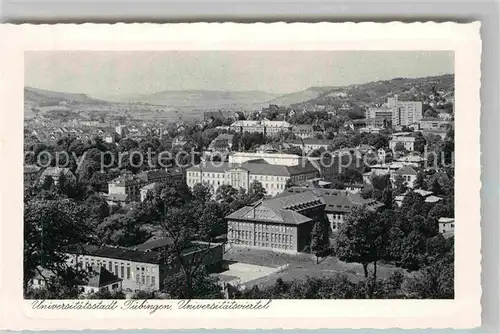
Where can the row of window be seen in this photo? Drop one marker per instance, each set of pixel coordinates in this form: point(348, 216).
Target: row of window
point(147, 280)
point(122, 269)
point(261, 236)
point(236, 226)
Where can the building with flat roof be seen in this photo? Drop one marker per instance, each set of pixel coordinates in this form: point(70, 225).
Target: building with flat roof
point(404, 112)
point(282, 223)
point(145, 266)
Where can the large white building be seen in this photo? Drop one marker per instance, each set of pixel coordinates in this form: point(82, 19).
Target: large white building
point(272, 176)
point(266, 127)
point(404, 112)
point(271, 158)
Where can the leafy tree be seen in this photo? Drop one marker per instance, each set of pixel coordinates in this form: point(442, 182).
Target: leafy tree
point(400, 185)
point(420, 181)
point(362, 238)
point(319, 238)
point(50, 226)
point(387, 198)
point(202, 287)
point(256, 192)
point(419, 143)
point(48, 183)
point(436, 187)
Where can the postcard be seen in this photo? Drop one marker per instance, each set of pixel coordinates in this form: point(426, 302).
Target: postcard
point(244, 176)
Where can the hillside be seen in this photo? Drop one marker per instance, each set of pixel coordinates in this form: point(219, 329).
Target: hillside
point(43, 98)
point(414, 89)
point(301, 96)
point(199, 98)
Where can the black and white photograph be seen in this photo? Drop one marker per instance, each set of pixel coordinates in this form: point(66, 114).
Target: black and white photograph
point(239, 175)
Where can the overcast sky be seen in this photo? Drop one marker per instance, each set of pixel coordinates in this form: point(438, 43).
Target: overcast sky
point(101, 74)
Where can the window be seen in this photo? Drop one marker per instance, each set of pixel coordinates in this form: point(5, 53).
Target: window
point(110, 266)
point(147, 279)
point(116, 269)
point(453, 225)
point(128, 272)
point(143, 279)
point(122, 271)
point(153, 280)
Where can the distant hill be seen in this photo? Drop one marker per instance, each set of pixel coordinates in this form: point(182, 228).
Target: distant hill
point(45, 98)
point(199, 98)
point(301, 96)
point(407, 89)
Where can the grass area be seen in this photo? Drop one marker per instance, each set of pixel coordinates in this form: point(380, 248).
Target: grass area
point(300, 265)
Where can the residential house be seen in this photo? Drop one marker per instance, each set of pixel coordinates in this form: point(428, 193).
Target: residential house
point(56, 172)
point(310, 144)
point(408, 142)
point(126, 184)
point(409, 175)
point(446, 226)
point(303, 131)
point(144, 190)
point(100, 280)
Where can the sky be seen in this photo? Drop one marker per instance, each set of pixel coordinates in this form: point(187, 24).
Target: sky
point(102, 73)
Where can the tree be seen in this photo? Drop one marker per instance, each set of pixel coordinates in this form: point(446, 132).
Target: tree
point(50, 227)
point(289, 184)
point(400, 185)
point(319, 238)
point(419, 143)
point(420, 181)
point(362, 238)
point(387, 198)
point(256, 192)
point(436, 187)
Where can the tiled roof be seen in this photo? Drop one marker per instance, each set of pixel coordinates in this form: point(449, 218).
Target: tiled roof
point(406, 170)
point(153, 244)
point(281, 209)
point(56, 171)
point(102, 277)
point(127, 254)
point(126, 180)
point(256, 167)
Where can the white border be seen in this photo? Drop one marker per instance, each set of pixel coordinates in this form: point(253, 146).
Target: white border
point(463, 39)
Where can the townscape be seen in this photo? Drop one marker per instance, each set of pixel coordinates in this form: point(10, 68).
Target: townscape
point(340, 193)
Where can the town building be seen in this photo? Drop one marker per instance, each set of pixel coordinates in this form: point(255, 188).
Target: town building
point(338, 203)
point(409, 175)
point(153, 175)
point(126, 184)
point(266, 127)
point(303, 131)
point(100, 280)
point(310, 144)
point(433, 123)
point(404, 112)
point(274, 158)
point(144, 190)
point(56, 172)
point(144, 267)
point(273, 177)
point(283, 223)
point(379, 112)
point(408, 142)
point(446, 226)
